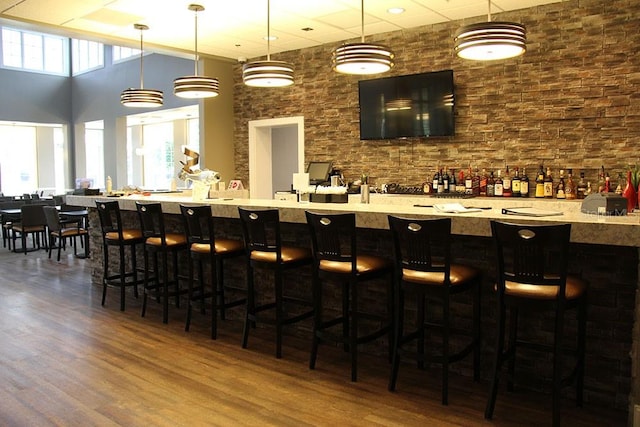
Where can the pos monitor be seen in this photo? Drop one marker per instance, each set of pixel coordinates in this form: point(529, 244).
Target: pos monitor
point(319, 172)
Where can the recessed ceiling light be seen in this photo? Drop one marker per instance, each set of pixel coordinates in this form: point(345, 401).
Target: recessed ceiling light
point(395, 10)
point(270, 38)
point(307, 29)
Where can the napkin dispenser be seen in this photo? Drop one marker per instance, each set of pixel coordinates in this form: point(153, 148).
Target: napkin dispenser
point(604, 204)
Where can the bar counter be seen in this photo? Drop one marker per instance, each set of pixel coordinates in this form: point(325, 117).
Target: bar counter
point(605, 249)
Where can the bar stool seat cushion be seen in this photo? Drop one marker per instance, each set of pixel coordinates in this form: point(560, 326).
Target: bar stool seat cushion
point(69, 232)
point(576, 288)
point(172, 239)
point(223, 246)
point(364, 264)
point(127, 234)
point(28, 228)
point(458, 274)
point(289, 254)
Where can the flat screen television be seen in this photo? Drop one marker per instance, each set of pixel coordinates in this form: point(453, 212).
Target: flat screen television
point(416, 105)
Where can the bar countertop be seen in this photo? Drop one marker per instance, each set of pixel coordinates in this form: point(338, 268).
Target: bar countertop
point(586, 228)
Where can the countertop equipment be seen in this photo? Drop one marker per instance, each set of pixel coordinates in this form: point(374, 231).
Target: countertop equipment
point(604, 204)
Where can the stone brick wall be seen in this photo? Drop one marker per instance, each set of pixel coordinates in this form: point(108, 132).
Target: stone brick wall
point(569, 102)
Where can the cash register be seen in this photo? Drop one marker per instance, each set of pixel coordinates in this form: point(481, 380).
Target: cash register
point(604, 204)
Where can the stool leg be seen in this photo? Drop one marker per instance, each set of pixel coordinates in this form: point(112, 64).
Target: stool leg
point(446, 319)
point(279, 312)
point(557, 366)
point(123, 276)
point(218, 287)
point(250, 310)
point(511, 347)
point(105, 271)
point(189, 294)
point(135, 270)
point(398, 324)
point(214, 299)
point(345, 315)
point(582, 332)
point(420, 310)
point(317, 318)
point(477, 337)
point(145, 285)
point(493, 387)
point(176, 277)
point(353, 336)
point(165, 287)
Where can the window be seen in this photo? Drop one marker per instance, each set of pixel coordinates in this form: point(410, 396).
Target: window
point(86, 55)
point(94, 152)
point(37, 52)
point(158, 163)
point(19, 168)
point(121, 53)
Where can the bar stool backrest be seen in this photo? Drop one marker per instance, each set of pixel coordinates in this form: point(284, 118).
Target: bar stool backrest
point(151, 221)
point(110, 217)
point(333, 237)
point(532, 254)
point(422, 244)
point(261, 231)
point(199, 224)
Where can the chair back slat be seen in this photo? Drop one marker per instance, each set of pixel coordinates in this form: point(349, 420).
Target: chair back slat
point(422, 244)
point(532, 254)
point(261, 230)
point(199, 224)
point(333, 236)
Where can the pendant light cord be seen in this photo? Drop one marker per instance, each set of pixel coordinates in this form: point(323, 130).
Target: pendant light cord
point(196, 43)
point(268, 30)
point(362, 20)
point(141, 60)
point(489, 11)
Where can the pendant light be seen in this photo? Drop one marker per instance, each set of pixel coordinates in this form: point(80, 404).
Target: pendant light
point(267, 73)
point(362, 58)
point(196, 86)
point(488, 41)
point(143, 98)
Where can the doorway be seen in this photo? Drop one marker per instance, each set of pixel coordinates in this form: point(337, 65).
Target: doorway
point(269, 151)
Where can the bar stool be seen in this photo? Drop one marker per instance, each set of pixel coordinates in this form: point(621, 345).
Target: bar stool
point(206, 248)
point(532, 276)
point(157, 242)
point(422, 250)
point(264, 249)
point(336, 259)
point(114, 234)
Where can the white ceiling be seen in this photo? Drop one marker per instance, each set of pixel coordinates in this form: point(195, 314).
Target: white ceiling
point(237, 28)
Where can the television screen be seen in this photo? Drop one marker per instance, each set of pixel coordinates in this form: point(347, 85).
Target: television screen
point(417, 105)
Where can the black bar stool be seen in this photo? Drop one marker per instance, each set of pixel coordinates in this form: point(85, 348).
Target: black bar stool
point(423, 264)
point(264, 249)
point(157, 242)
point(336, 258)
point(204, 247)
point(115, 235)
point(532, 276)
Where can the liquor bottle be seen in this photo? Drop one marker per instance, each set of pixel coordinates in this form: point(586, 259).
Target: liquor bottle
point(445, 180)
point(460, 184)
point(468, 183)
point(570, 187)
point(434, 184)
point(560, 194)
point(524, 184)
point(498, 188)
point(452, 181)
point(589, 191)
point(601, 180)
point(548, 185)
point(515, 184)
point(506, 183)
point(540, 183)
point(483, 183)
point(475, 183)
point(491, 186)
point(440, 182)
point(581, 191)
point(607, 184)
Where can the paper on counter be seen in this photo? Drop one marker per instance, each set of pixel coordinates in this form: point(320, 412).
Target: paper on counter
point(454, 208)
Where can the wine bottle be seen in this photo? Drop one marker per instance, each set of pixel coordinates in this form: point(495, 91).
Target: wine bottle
point(475, 183)
point(452, 181)
point(483, 183)
point(468, 183)
point(560, 194)
point(581, 190)
point(548, 185)
point(440, 184)
point(498, 188)
point(491, 186)
point(515, 184)
point(434, 183)
point(506, 183)
point(445, 180)
point(570, 187)
point(540, 183)
point(524, 184)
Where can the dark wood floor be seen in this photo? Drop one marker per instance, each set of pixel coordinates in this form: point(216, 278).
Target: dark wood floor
point(65, 360)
